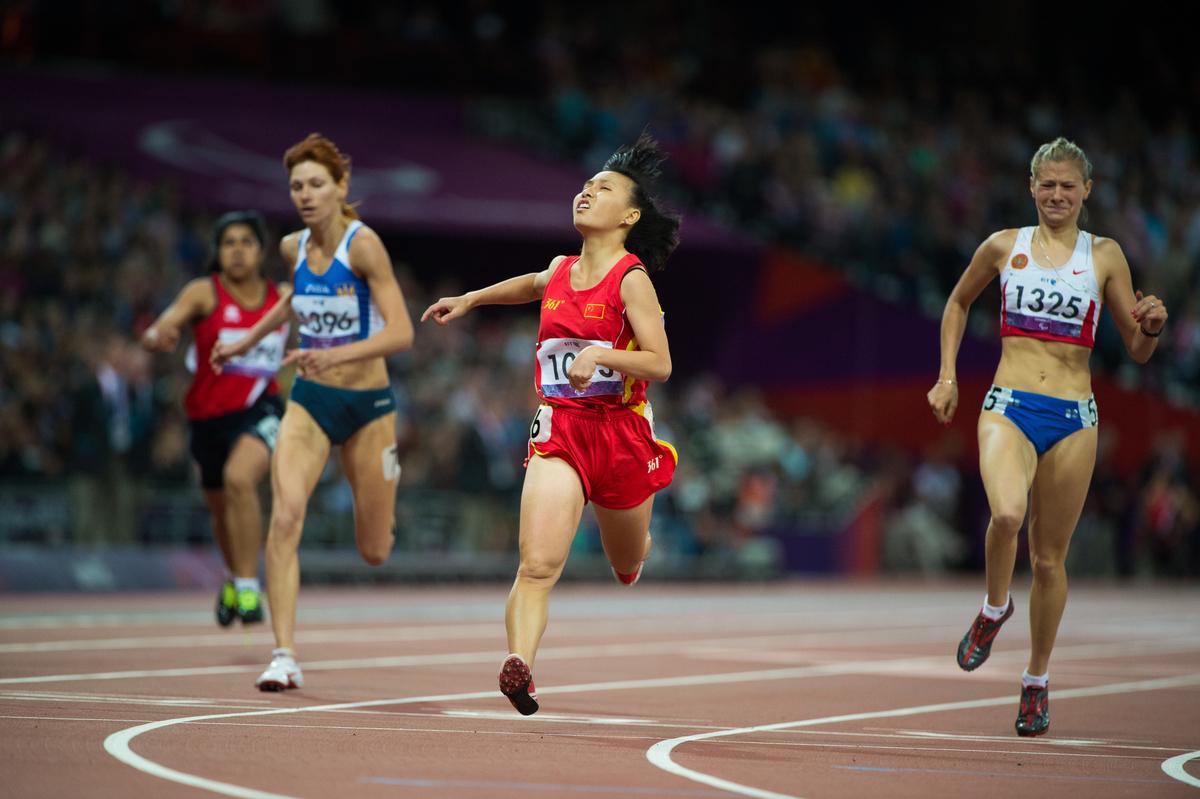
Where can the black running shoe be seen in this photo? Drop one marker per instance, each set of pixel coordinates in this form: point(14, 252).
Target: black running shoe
point(249, 606)
point(976, 645)
point(1034, 716)
point(516, 683)
point(226, 604)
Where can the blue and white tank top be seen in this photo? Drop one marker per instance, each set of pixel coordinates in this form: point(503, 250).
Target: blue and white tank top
point(334, 307)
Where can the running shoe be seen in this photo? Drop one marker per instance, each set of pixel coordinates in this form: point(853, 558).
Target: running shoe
point(1033, 718)
point(226, 604)
point(516, 683)
point(282, 673)
point(632, 577)
point(976, 645)
point(249, 606)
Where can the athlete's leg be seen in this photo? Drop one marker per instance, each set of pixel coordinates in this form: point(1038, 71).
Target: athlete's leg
point(551, 504)
point(370, 462)
point(1007, 464)
point(215, 499)
point(1059, 490)
point(300, 457)
point(625, 534)
point(248, 463)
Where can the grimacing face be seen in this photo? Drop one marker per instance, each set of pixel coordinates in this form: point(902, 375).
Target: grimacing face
point(604, 203)
point(238, 251)
point(1059, 190)
point(315, 193)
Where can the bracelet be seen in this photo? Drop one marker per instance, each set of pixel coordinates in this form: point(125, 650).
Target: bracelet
point(1150, 335)
point(947, 382)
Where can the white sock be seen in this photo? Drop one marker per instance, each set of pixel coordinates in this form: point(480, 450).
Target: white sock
point(283, 651)
point(1028, 680)
point(993, 612)
point(246, 584)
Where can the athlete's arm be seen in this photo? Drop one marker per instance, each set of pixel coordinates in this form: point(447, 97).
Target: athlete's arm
point(514, 291)
point(368, 258)
point(983, 269)
point(280, 312)
point(196, 300)
point(1134, 314)
point(652, 359)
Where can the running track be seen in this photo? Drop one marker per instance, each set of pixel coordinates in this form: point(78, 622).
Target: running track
point(793, 690)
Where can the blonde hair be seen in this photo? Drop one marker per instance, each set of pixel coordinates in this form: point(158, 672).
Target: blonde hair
point(1058, 151)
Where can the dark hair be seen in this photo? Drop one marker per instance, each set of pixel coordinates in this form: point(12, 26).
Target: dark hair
point(251, 219)
point(656, 234)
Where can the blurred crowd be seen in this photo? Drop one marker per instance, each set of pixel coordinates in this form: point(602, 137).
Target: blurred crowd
point(89, 256)
point(887, 165)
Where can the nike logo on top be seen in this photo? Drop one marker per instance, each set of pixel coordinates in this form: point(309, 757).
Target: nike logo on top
point(1078, 271)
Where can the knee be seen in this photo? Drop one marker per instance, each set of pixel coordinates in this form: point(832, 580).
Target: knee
point(539, 569)
point(237, 482)
point(1047, 568)
point(1008, 518)
point(287, 522)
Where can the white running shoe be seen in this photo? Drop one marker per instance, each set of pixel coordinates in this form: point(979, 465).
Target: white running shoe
point(283, 673)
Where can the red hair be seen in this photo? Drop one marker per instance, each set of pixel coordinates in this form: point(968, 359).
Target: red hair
point(316, 147)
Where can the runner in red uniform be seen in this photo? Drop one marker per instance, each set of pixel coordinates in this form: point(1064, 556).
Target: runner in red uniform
point(600, 341)
point(234, 415)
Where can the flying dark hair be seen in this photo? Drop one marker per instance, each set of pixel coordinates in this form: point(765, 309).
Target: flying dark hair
point(656, 234)
point(251, 219)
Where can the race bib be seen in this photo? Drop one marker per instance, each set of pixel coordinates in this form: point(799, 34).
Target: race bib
point(555, 357)
point(327, 321)
point(262, 360)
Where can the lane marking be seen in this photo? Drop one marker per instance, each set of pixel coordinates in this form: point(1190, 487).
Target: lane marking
point(1174, 768)
point(1014, 774)
point(660, 753)
point(488, 785)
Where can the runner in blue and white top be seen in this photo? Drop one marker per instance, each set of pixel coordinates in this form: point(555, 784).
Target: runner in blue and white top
point(351, 316)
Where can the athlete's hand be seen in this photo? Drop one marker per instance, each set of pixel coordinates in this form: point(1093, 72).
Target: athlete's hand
point(161, 338)
point(582, 369)
point(1149, 312)
point(447, 309)
point(223, 352)
point(311, 362)
point(943, 400)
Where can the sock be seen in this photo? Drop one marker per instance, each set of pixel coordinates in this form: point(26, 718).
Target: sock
point(1028, 680)
point(283, 651)
point(992, 612)
point(246, 584)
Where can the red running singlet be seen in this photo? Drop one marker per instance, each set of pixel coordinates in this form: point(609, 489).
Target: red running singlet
point(572, 320)
point(243, 379)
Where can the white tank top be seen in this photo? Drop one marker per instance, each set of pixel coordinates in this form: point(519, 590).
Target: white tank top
point(1060, 304)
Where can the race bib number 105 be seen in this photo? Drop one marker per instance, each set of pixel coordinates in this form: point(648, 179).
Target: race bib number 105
point(555, 357)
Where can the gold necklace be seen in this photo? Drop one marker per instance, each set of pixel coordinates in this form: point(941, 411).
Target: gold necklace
point(1046, 253)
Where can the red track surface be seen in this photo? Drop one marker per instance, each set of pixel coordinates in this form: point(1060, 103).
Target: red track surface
point(400, 697)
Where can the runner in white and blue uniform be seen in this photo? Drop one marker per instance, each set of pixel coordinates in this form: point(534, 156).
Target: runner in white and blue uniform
point(1038, 428)
point(351, 316)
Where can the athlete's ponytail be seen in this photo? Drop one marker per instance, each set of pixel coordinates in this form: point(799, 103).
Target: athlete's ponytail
point(656, 233)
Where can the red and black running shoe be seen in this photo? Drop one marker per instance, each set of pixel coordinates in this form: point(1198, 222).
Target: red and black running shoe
point(1034, 716)
point(516, 683)
point(976, 645)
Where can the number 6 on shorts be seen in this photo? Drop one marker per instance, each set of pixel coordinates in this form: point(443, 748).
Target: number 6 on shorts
point(539, 430)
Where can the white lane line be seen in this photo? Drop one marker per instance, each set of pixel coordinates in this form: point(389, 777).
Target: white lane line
point(1173, 768)
point(125, 701)
point(660, 753)
point(558, 718)
point(902, 666)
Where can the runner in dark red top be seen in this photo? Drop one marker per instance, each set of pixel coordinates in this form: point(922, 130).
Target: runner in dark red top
point(600, 341)
point(234, 415)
